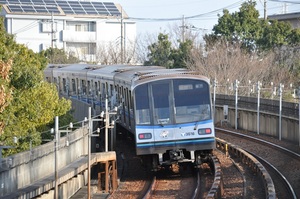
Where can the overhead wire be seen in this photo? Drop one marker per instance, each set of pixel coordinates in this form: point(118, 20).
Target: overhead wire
point(286, 1)
point(28, 27)
point(234, 5)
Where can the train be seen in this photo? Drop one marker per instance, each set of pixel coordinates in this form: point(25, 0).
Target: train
point(168, 112)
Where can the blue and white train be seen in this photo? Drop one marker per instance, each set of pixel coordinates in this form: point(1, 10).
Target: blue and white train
point(167, 111)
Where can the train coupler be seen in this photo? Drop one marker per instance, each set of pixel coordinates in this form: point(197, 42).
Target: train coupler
point(176, 155)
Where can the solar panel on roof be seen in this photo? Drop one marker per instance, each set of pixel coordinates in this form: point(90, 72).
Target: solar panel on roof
point(15, 8)
point(65, 7)
point(27, 8)
point(53, 10)
point(115, 13)
point(61, 3)
point(98, 5)
point(79, 9)
point(80, 12)
point(69, 7)
point(69, 12)
point(40, 2)
point(50, 2)
point(91, 12)
point(13, 1)
point(108, 3)
point(26, 2)
point(74, 3)
point(3, 2)
point(41, 9)
point(86, 3)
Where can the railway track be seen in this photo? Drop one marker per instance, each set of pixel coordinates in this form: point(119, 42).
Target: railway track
point(167, 185)
point(179, 182)
point(204, 182)
point(281, 163)
point(237, 175)
point(282, 186)
point(256, 181)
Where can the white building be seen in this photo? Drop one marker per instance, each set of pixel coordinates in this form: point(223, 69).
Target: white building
point(84, 28)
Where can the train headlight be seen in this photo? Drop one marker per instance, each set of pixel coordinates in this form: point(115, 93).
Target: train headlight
point(143, 136)
point(204, 131)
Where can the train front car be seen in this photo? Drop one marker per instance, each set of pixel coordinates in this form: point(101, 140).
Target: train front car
point(174, 121)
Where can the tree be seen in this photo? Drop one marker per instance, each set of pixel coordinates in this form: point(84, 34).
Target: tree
point(160, 52)
point(5, 66)
point(30, 102)
point(253, 33)
point(5, 91)
point(275, 34)
point(243, 27)
point(163, 54)
point(181, 54)
point(59, 56)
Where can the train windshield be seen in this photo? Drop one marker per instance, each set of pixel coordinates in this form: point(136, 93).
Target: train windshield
point(192, 101)
point(172, 102)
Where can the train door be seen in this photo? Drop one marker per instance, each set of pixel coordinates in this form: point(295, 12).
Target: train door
point(162, 100)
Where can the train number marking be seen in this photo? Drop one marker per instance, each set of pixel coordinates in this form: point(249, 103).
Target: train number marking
point(187, 134)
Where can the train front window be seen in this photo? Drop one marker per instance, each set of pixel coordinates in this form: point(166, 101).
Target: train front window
point(142, 105)
point(161, 93)
point(192, 102)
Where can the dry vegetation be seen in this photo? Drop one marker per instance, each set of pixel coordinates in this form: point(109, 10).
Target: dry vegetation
point(227, 63)
point(5, 93)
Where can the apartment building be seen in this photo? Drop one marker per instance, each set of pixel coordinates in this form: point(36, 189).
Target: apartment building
point(83, 28)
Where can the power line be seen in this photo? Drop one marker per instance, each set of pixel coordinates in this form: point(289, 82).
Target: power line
point(286, 1)
point(25, 28)
point(234, 5)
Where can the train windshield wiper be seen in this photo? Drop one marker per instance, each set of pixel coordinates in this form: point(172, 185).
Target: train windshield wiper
point(196, 125)
point(197, 122)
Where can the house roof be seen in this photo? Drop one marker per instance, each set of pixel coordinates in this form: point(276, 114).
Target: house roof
point(61, 7)
point(287, 16)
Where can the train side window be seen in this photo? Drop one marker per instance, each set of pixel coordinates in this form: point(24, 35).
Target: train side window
point(83, 87)
point(59, 84)
point(64, 85)
point(73, 86)
point(89, 88)
point(103, 89)
point(111, 89)
point(125, 104)
point(106, 89)
point(96, 87)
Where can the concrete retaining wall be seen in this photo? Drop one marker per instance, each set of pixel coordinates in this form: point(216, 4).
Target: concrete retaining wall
point(25, 168)
point(269, 123)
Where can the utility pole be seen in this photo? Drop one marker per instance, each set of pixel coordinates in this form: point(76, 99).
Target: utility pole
point(53, 38)
point(56, 145)
point(183, 28)
point(122, 50)
point(265, 9)
point(52, 30)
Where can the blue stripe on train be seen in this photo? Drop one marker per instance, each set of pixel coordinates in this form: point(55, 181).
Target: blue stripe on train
point(173, 125)
point(171, 143)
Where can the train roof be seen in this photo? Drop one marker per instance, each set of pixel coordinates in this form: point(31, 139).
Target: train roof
point(130, 74)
